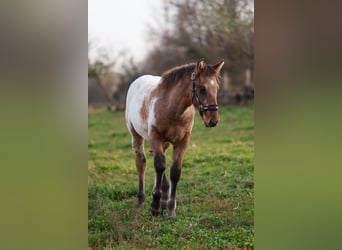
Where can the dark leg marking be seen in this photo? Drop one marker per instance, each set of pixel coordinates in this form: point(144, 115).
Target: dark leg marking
point(175, 173)
point(165, 192)
point(159, 166)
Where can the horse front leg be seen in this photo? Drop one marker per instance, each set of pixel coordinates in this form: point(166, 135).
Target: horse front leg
point(159, 167)
point(175, 172)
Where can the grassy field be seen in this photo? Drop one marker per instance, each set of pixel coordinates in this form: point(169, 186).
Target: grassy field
point(215, 195)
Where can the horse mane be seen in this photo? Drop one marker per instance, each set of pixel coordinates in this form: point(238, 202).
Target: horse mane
point(174, 75)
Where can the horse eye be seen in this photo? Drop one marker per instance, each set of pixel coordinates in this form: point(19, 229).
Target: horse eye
point(202, 90)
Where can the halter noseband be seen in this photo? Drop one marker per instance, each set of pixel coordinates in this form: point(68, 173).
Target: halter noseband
point(201, 107)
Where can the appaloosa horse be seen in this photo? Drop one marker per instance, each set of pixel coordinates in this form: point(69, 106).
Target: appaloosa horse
point(161, 111)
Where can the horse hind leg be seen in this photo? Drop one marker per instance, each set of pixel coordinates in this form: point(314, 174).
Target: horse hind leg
point(140, 162)
point(165, 192)
point(175, 173)
point(165, 185)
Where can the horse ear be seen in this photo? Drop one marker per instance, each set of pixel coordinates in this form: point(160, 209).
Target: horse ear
point(200, 66)
point(218, 66)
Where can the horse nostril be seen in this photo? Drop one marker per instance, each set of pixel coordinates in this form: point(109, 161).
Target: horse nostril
point(212, 123)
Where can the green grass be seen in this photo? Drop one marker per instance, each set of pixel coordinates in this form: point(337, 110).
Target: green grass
point(215, 194)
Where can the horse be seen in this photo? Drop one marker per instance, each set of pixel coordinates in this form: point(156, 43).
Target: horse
point(161, 110)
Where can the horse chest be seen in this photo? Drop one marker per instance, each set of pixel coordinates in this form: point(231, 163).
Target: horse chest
point(173, 130)
point(176, 134)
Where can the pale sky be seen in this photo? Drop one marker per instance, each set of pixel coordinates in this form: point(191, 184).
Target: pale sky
point(116, 25)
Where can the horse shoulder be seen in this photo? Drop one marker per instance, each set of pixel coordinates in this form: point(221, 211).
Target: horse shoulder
point(173, 129)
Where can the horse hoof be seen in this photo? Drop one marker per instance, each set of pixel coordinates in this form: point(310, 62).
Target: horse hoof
point(154, 212)
point(139, 206)
point(163, 204)
point(171, 214)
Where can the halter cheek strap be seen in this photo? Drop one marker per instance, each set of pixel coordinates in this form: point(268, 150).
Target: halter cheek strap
point(194, 95)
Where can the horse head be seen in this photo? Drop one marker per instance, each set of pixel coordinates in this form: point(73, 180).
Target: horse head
point(205, 85)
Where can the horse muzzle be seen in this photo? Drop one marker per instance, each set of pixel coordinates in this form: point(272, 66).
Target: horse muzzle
point(210, 117)
point(211, 123)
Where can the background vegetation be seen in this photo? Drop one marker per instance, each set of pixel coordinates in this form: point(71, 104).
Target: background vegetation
point(189, 30)
point(215, 194)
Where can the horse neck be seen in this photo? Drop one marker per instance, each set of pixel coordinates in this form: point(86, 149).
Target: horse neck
point(179, 98)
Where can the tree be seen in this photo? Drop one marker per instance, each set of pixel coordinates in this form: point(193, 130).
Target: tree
point(101, 70)
point(210, 29)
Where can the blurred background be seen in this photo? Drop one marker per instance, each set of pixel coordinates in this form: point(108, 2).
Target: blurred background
point(130, 38)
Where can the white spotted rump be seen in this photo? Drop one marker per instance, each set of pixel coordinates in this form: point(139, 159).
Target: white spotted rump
point(139, 91)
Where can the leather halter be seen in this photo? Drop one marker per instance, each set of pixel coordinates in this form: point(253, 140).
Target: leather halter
point(201, 107)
